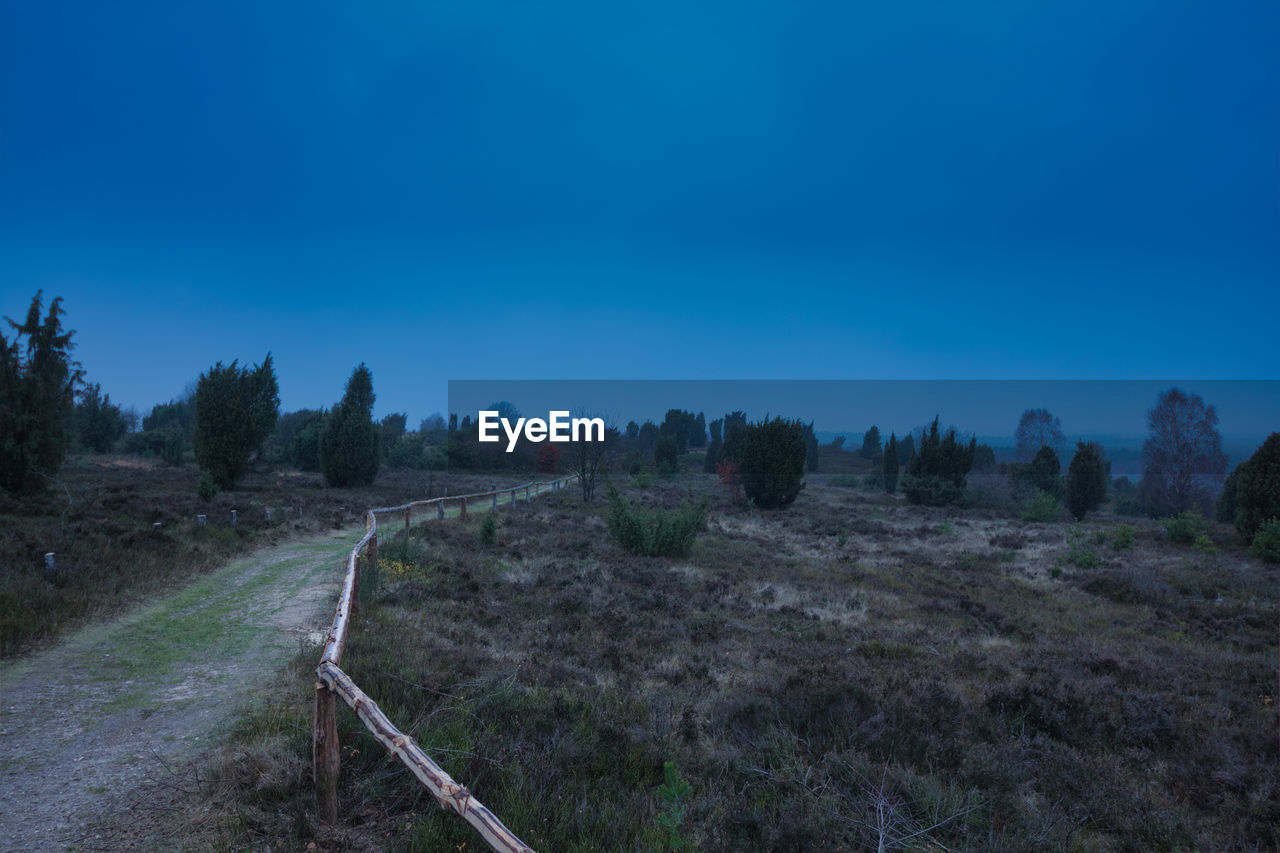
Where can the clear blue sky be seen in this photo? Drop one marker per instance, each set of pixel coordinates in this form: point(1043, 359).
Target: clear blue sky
point(644, 190)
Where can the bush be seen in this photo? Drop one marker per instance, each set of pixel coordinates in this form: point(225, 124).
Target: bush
point(889, 465)
point(488, 532)
point(1186, 527)
point(207, 489)
point(655, 532)
point(1123, 538)
point(771, 462)
point(1042, 472)
point(936, 474)
point(844, 481)
point(1266, 541)
point(1044, 507)
point(642, 480)
point(549, 458)
point(174, 448)
point(666, 454)
point(1086, 481)
point(1257, 492)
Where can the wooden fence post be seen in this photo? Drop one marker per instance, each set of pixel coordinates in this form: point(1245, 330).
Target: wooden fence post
point(324, 754)
point(526, 494)
point(356, 587)
point(513, 497)
point(372, 567)
point(463, 512)
point(407, 511)
point(495, 501)
point(440, 511)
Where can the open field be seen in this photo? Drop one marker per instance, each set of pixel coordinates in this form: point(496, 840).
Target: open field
point(848, 672)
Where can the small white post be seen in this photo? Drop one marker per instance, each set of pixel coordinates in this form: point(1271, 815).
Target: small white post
point(268, 513)
point(50, 562)
point(233, 518)
point(200, 519)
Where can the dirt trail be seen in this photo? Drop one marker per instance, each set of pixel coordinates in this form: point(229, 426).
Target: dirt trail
point(86, 724)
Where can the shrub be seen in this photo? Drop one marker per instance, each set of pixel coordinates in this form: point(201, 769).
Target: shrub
point(207, 489)
point(1186, 527)
point(889, 465)
point(936, 474)
point(844, 481)
point(666, 454)
point(655, 532)
point(349, 440)
point(1266, 541)
point(727, 470)
point(1204, 544)
point(1122, 539)
point(642, 480)
point(488, 531)
point(1257, 493)
point(1043, 507)
point(173, 449)
point(548, 458)
point(771, 462)
point(1042, 472)
point(1086, 481)
point(1079, 554)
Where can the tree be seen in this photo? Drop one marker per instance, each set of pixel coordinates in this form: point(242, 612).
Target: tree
point(889, 472)
point(1036, 429)
point(588, 457)
point(236, 410)
point(548, 458)
point(1086, 480)
point(870, 443)
point(936, 474)
point(37, 398)
point(714, 449)
point(1255, 498)
point(1182, 456)
point(735, 427)
point(99, 422)
point(698, 438)
point(392, 427)
point(1041, 473)
point(771, 462)
point(810, 449)
point(350, 440)
point(666, 454)
point(906, 450)
point(984, 458)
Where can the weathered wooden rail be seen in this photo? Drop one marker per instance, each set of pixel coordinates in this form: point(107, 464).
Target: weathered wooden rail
point(332, 683)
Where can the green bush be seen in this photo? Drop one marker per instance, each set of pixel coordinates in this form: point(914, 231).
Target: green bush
point(1257, 490)
point(1080, 554)
point(174, 448)
point(642, 480)
point(488, 529)
point(936, 474)
point(208, 487)
point(1043, 507)
point(771, 462)
point(844, 481)
point(1266, 541)
point(1186, 527)
point(655, 532)
point(1086, 481)
point(1122, 539)
point(1042, 472)
point(666, 454)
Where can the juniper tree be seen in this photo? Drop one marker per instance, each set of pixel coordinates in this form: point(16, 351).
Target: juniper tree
point(1086, 480)
point(889, 470)
point(771, 462)
point(235, 411)
point(37, 397)
point(350, 441)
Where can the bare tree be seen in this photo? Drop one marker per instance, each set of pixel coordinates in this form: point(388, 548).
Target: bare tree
point(1036, 429)
point(588, 456)
point(1182, 458)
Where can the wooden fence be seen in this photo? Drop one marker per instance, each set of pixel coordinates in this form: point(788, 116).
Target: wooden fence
point(332, 682)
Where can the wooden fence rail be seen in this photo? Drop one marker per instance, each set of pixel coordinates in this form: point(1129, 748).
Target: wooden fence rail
point(332, 683)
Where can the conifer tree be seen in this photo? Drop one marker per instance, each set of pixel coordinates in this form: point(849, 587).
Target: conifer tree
point(1086, 480)
point(350, 440)
point(890, 465)
point(235, 411)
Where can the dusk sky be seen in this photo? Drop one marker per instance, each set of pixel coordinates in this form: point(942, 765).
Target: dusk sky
point(488, 190)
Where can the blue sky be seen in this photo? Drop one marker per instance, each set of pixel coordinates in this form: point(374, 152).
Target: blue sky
point(659, 190)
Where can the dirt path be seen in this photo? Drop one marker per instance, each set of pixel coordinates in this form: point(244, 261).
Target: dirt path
point(87, 723)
